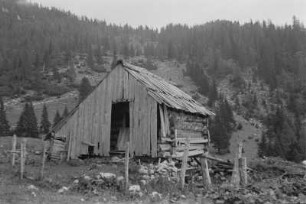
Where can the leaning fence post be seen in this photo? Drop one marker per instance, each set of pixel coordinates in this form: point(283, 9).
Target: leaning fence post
point(14, 141)
point(127, 151)
point(205, 171)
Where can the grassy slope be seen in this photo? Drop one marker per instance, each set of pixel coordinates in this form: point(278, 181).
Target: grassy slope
point(14, 109)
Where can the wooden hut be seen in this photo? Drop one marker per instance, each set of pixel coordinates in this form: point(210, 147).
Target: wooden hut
point(132, 104)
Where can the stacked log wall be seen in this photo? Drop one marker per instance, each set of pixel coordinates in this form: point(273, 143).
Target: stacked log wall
point(181, 126)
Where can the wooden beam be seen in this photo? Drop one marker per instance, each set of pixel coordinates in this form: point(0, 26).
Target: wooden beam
point(205, 172)
point(127, 157)
point(162, 121)
point(14, 141)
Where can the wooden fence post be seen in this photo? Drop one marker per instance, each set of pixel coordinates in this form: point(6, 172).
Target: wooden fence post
point(184, 162)
point(127, 157)
point(14, 141)
point(243, 171)
point(43, 161)
point(23, 150)
point(205, 171)
point(236, 175)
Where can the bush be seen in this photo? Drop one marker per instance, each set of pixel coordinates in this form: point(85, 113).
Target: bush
point(239, 126)
point(56, 90)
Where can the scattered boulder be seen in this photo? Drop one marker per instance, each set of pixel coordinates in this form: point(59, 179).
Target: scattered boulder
point(63, 189)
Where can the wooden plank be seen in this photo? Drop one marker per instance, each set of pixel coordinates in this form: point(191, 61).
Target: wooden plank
point(136, 120)
point(131, 138)
point(191, 153)
point(148, 128)
point(191, 134)
point(143, 122)
point(101, 121)
point(168, 147)
point(167, 122)
point(162, 122)
point(73, 135)
point(131, 87)
point(125, 85)
point(83, 131)
point(192, 141)
point(94, 122)
point(79, 134)
point(86, 130)
point(108, 111)
point(153, 128)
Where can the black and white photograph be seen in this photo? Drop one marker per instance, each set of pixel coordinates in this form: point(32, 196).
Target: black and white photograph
point(152, 101)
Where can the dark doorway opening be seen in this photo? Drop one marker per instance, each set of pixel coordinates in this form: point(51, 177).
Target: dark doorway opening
point(120, 127)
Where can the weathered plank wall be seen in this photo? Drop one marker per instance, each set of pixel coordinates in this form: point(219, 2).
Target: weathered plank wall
point(177, 127)
point(91, 122)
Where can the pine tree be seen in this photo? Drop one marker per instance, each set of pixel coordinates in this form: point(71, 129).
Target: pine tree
point(219, 136)
point(90, 60)
point(32, 122)
point(45, 123)
point(56, 75)
point(262, 146)
point(84, 89)
point(56, 119)
point(115, 59)
point(22, 125)
point(213, 94)
point(4, 125)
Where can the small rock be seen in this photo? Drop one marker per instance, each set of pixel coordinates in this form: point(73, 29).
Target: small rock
point(33, 194)
point(88, 178)
point(76, 181)
point(134, 189)
point(183, 197)
point(107, 175)
point(155, 196)
point(151, 171)
point(119, 179)
point(63, 189)
point(146, 177)
point(82, 199)
point(114, 198)
point(143, 182)
point(219, 201)
point(32, 187)
point(143, 170)
point(37, 152)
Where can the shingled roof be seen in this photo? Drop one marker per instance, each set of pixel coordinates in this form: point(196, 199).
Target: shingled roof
point(164, 92)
